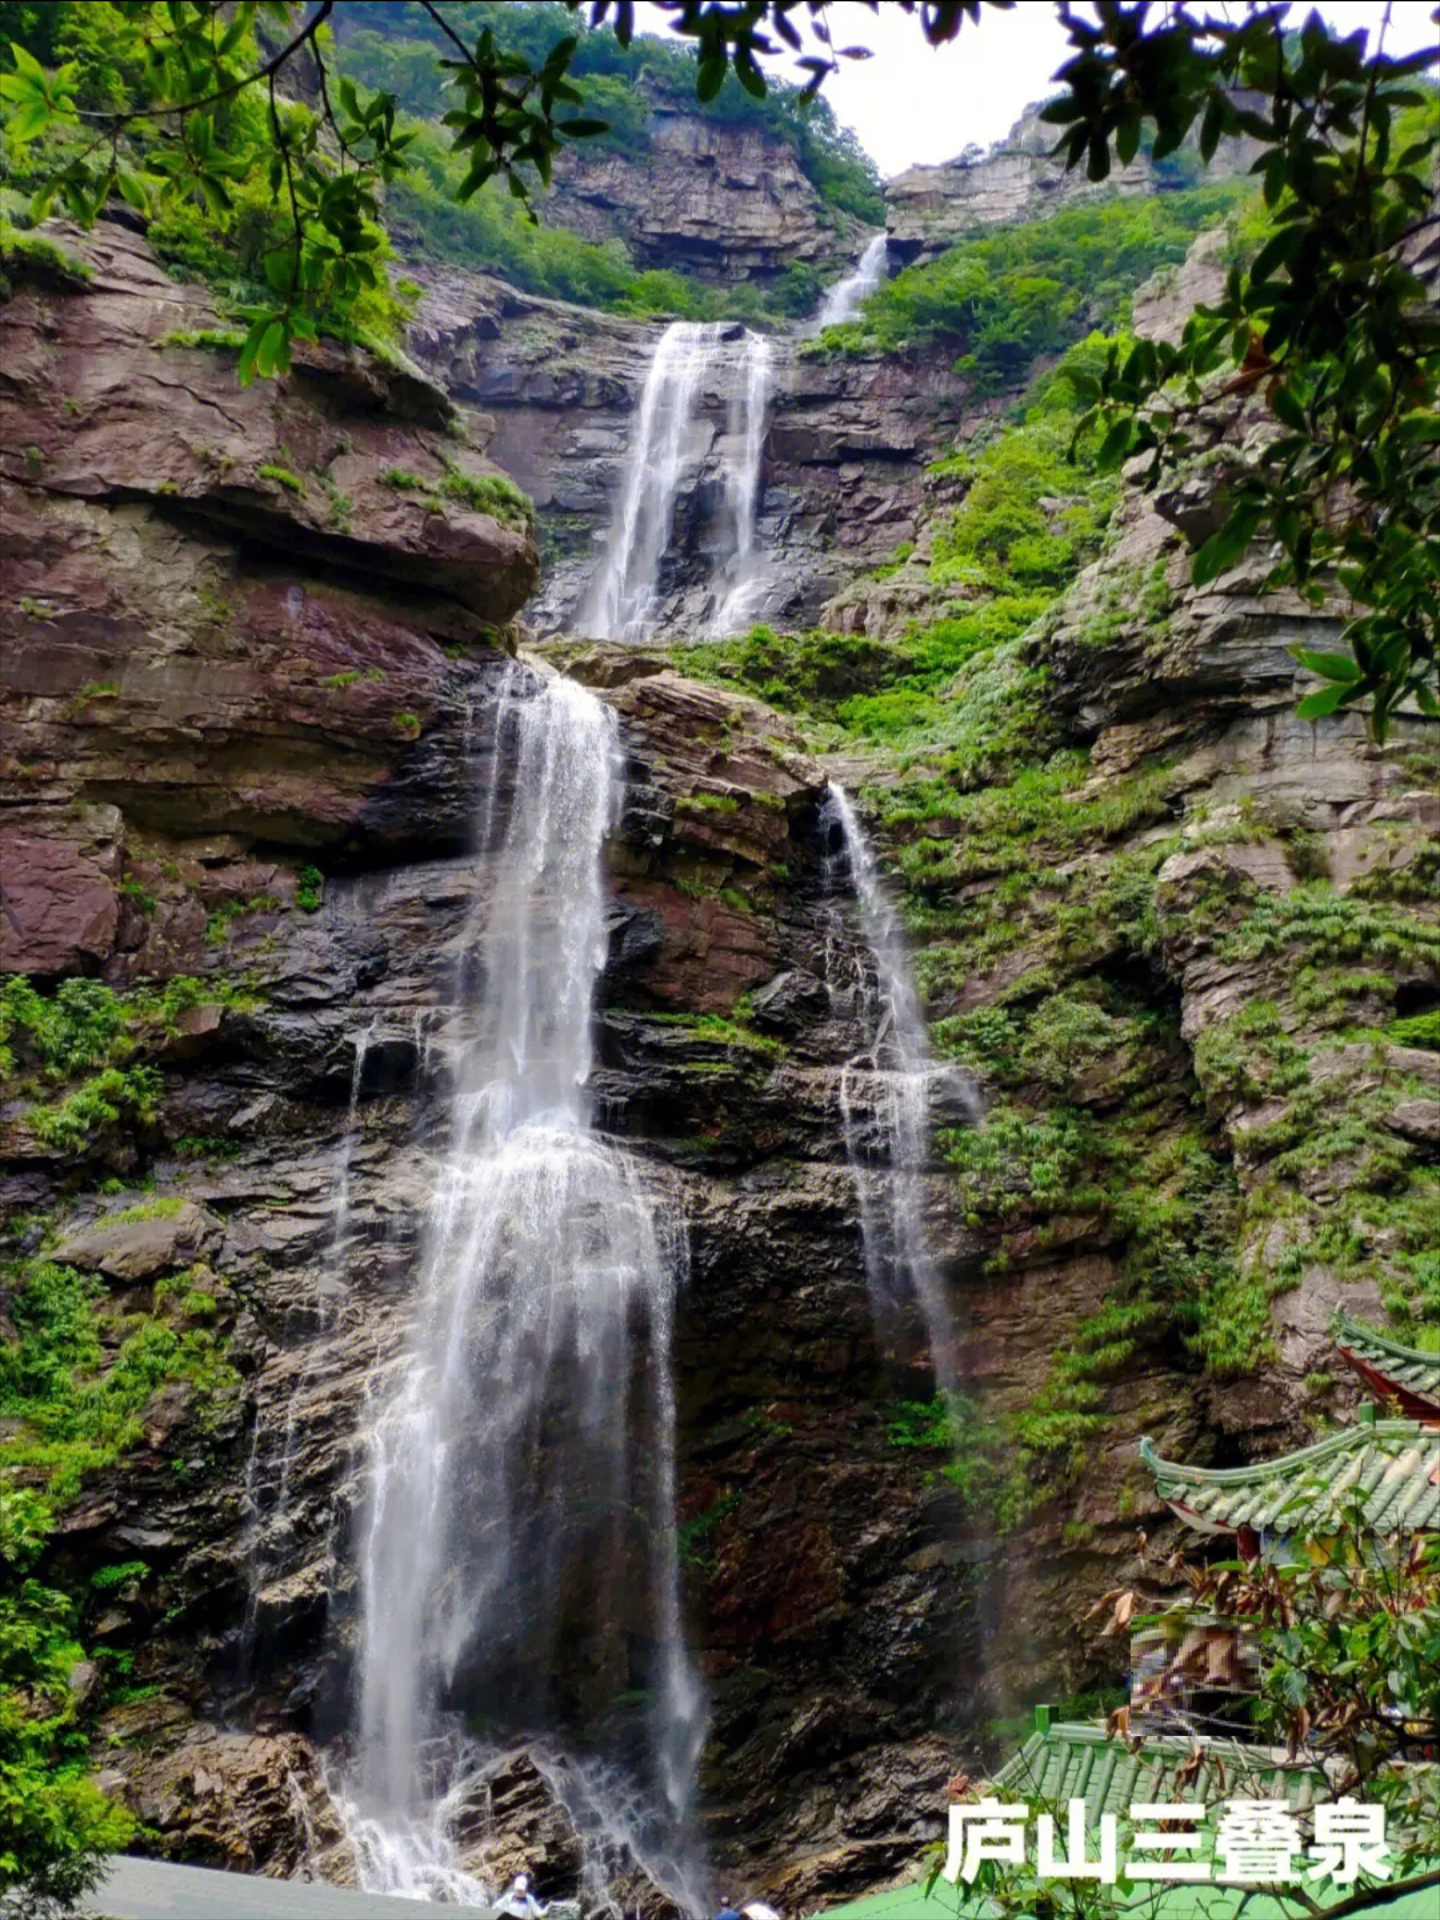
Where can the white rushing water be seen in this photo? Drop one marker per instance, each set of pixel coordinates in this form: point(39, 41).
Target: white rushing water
point(670, 445)
point(519, 1556)
point(847, 296)
point(887, 1093)
point(743, 576)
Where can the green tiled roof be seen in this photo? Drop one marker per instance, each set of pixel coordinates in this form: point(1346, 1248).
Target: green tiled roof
point(1150, 1903)
point(1076, 1761)
point(1415, 1373)
point(1394, 1464)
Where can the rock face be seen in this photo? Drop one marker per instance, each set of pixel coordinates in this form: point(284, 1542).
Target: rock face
point(220, 573)
point(726, 203)
point(930, 208)
point(846, 445)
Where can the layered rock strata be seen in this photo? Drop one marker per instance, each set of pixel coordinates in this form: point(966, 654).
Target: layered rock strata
point(723, 202)
point(1021, 178)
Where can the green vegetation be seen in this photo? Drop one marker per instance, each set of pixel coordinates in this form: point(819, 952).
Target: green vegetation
point(282, 476)
point(695, 1537)
point(212, 339)
point(84, 1035)
point(221, 923)
point(116, 1093)
point(310, 890)
point(707, 803)
point(492, 493)
point(79, 1407)
point(55, 1824)
point(1420, 1030)
point(396, 51)
point(36, 258)
point(1004, 298)
point(76, 1378)
point(714, 1026)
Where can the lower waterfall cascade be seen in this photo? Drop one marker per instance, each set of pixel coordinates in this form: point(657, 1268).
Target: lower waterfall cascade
point(669, 446)
point(532, 1588)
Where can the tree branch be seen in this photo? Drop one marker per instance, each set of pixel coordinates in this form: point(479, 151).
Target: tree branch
point(449, 32)
point(1381, 1896)
point(271, 67)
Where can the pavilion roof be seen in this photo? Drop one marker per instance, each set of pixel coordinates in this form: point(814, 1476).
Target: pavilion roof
point(1391, 1466)
point(1408, 1374)
point(1075, 1760)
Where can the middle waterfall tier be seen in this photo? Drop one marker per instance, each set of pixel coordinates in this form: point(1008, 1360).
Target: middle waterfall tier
point(699, 436)
point(518, 1567)
point(890, 1094)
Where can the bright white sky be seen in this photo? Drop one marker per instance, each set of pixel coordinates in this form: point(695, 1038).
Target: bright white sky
point(918, 105)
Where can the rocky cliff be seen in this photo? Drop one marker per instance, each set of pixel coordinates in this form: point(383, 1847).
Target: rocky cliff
point(247, 729)
point(727, 203)
point(1019, 178)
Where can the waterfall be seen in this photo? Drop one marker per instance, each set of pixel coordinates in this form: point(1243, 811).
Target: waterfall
point(886, 1096)
point(742, 485)
point(847, 296)
point(519, 1569)
point(671, 443)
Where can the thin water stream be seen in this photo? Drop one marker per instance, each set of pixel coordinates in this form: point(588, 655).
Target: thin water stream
point(887, 1092)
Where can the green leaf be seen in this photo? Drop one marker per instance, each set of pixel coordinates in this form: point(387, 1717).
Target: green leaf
point(29, 122)
point(711, 76)
point(1330, 666)
point(1316, 705)
point(1288, 408)
point(245, 372)
point(273, 350)
point(750, 77)
point(26, 63)
point(132, 189)
point(1210, 128)
point(1114, 447)
point(1224, 547)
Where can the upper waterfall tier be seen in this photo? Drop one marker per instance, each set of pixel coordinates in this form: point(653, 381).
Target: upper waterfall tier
point(846, 297)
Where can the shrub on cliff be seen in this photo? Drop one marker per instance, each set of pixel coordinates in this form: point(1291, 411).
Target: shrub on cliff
point(55, 1824)
point(1004, 299)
